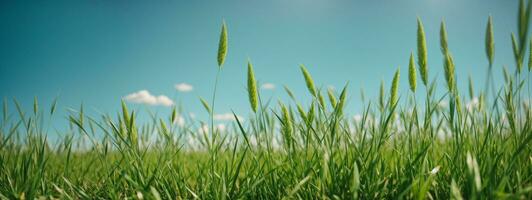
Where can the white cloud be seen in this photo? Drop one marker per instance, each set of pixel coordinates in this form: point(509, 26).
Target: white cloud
point(357, 118)
point(193, 143)
point(184, 87)
point(221, 127)
point(267, 86)
point(443, 104)
point(204, 129)
point(180, 121)
point(473, 104)
point(144, 97)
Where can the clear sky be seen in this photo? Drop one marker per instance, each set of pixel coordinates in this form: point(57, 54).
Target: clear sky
point(97, 52)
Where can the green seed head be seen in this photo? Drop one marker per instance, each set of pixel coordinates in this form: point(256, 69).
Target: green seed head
point(205, 105)
point(443, 38)
point(287, 120)
point(125, 112)
point(286, 126)
point(523, 18)
point(252, 88)
point(394, 88)
point(310, 114)
point(342, 99)
point(449, 72)
point(422, 52)
point(222, 46)
point(173, 117)
point(308, 79)
point(516, 50)
point(321, 100)
point(289, 92)
point(332, 98)
point(35, 105)
point(490, 42)
point(471, 88)
point(301, 112)
point(412, 73)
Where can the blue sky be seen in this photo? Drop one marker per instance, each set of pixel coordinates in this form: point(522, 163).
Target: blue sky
point(97, 52)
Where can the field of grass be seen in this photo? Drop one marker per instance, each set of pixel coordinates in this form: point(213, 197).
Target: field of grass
point(399, 148)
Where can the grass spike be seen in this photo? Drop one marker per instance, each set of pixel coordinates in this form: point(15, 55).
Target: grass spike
point(412, 73)
point(422, 52)
point(394, 89)
point(252, 88)
point(308, 80)
point(490, 41)
point(222, 46)
point(443, 38)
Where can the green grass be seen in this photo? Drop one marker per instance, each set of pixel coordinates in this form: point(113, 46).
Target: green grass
point(398, 148)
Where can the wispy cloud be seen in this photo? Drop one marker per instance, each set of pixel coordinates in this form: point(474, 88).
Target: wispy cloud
point(267, 86)
point(227, 117)
point(144, 97)
point(180, 121)
point(473, 104)
point(184, 87)
point(357, 118)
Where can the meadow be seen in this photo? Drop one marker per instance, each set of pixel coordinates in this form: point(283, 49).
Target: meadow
point(460, 145)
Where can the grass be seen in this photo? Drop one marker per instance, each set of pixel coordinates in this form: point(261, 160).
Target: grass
point(398, 148)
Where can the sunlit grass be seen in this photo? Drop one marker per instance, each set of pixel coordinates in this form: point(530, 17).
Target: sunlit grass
point(440, 147)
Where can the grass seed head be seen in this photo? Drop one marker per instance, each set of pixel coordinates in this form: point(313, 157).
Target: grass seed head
point(523, 18)
point(321, 100)
point(173, 116)
point(252, 88)
point(35, 105)
point(443, 38)
point(308, 80)
point(342, 100)
point(422, 52)
point(332, 98)
point(222, 46)
point(471, 88)
point(381, 94)
point(302, 112)
point(516, 50)
point(287, 123)
point(490, 41)
point(125, 111)
point(205, 105)
point(449, 72)
point(394, 89)
point(412, 73)
point(289, 92)
point(311, 112)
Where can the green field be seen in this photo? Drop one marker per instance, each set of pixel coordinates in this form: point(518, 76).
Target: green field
point(460, 145)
